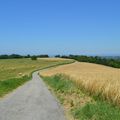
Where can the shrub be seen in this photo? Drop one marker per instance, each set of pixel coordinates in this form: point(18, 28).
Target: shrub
point(33, 58)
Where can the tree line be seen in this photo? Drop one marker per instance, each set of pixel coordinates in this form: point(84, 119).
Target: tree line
point(15, 56)
point(94, 59)
point(81, 58)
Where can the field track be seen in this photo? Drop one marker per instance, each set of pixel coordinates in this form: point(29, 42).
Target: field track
point(32, 101)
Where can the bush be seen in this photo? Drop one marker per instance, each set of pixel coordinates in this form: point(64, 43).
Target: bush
point(33, 58)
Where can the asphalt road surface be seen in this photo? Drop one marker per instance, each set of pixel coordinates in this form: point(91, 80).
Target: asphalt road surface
point(32, 101)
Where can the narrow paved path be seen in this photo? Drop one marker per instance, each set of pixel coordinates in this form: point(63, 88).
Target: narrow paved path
point(32, 101)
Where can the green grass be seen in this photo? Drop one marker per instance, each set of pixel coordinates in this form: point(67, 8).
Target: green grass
point(10, 84)
point(68, 92)
point(15, 72)
point(100, 110)
point(59, 84)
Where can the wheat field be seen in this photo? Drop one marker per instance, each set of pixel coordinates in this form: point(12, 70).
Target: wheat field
point(96, 79)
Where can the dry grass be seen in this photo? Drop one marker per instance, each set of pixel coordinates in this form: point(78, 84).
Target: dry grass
point(15, 72)
point(97, 79)
point(54, 59)
point(14, 68)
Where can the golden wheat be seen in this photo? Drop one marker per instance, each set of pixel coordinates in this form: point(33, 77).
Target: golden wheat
point(97, 79)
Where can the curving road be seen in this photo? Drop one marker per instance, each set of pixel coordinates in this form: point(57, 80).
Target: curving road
point(32, 101)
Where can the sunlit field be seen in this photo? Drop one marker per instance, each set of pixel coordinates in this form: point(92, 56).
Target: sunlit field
point(98, 80)
point(12, 68)
point(15, 72)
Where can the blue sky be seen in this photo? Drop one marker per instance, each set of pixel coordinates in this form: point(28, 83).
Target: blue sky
point(90, 27)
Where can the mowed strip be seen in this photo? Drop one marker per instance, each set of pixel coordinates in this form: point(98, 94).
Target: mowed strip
point(96, 79)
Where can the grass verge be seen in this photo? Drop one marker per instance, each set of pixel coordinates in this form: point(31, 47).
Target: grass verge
point(78, 105)
point(10, 84)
